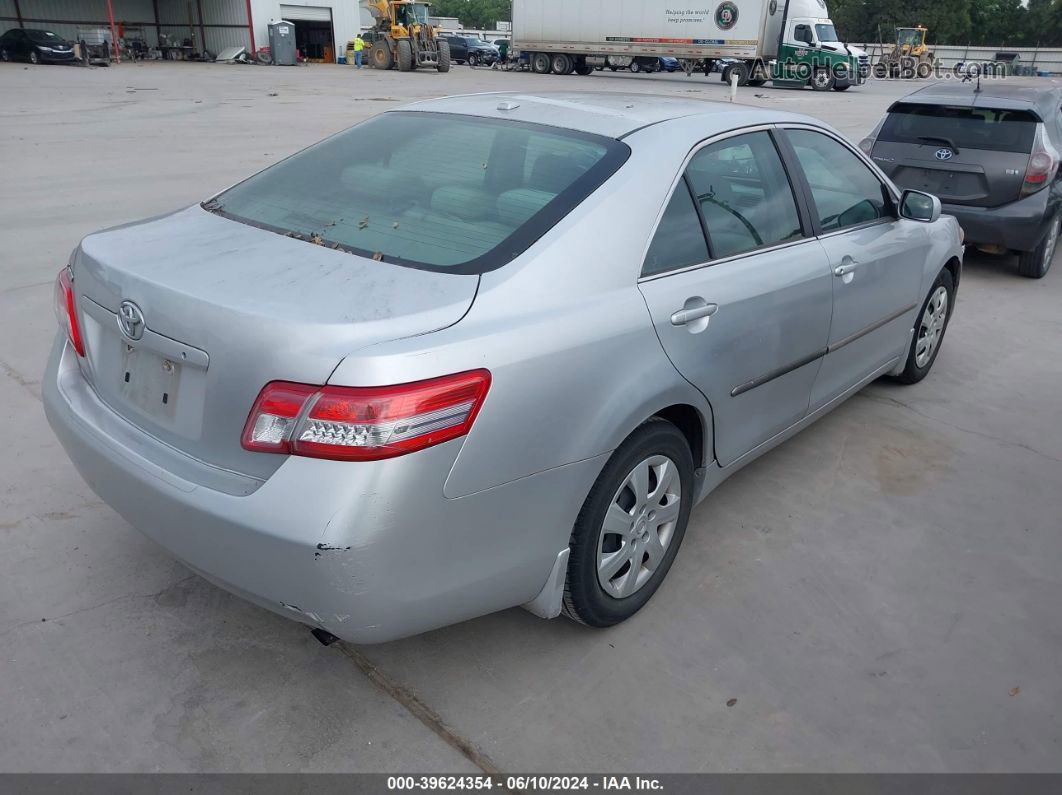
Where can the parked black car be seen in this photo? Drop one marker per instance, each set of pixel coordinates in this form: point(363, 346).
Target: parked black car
point(472, 50)
point(35, 46)
point(991, 153)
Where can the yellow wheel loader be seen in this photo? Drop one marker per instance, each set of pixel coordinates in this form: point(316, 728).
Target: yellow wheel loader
point(910, 57)
point(403, 38)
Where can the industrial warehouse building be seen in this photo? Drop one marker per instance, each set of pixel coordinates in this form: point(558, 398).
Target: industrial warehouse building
point(322, 27)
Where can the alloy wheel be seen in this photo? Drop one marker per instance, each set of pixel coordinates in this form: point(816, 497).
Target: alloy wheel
point(931, 329)
point(639, 526)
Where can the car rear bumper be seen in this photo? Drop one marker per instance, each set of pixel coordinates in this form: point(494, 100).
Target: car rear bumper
point(367, 551)
point(1019, 225)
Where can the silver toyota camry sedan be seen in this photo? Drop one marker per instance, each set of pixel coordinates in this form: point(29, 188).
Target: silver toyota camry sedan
point(486, 351)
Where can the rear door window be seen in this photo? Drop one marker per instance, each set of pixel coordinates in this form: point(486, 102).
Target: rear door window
point(430, 190)
point(992, 129)
point(744, 194)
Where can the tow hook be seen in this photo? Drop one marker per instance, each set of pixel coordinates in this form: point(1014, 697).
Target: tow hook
point(324, 637)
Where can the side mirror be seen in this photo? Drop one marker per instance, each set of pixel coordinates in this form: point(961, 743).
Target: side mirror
point(919, 206)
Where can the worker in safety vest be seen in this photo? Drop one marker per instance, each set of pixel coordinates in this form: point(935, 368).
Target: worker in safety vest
point(359, 48)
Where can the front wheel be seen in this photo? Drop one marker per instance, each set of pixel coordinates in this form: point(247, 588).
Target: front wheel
point(4, 56)
point(842, 87)
point(405, 56)
point(822, 80)
point(929, 331)
point(443, 62)
point(34, 58)
point(631, 526)
point(1036, 263)
point(635, 67)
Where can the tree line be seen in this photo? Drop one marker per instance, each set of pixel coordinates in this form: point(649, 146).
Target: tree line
point(956, 22)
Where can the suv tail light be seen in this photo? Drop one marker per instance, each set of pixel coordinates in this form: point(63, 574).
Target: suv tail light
point(66, 309)
point(364, 423)
point(867, 144)
point(1042, 164)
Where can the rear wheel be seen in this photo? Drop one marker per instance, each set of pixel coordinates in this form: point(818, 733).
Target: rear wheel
point(443, 64)
point(738, 69)
point(631, 526)
point(405, 56)
point(540, 63)
point(584, 70)
point(4, 56)
point(929, 331)
point(635, 66)
point(381, 56)
point(561, 65)
point(1036, 263)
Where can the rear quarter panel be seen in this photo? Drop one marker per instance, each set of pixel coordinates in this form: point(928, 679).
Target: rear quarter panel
point(575, 361)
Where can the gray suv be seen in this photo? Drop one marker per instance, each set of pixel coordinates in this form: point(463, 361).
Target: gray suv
point(991, 153)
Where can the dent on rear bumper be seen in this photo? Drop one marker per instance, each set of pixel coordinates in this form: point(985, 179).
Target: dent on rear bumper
point(368, 551)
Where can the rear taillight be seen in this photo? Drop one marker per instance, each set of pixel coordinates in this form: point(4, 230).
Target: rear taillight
point(867, 144)
point(364, 423)
point(66, 310)
point(1043, 163)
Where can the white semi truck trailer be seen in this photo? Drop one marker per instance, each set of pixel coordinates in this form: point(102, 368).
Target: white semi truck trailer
point(791, 42)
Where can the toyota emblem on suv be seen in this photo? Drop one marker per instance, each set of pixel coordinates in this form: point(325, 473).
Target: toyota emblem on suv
point(131, 320)
point(944, 154)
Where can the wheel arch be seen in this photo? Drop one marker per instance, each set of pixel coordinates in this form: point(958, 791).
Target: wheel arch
point(693, 426)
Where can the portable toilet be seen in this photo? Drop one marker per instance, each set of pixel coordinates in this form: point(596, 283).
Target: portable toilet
point(282, 43)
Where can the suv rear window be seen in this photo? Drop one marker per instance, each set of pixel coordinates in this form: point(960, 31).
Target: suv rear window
point(462, 194)
point(994, 129)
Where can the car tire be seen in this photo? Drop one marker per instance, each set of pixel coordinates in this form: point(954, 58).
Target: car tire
point(1036, 263)
point(930, 326)
point(541, 63)
point(34, 58)
point(5, 56)
point(822, 80)
point(405, 56)
point(659, 452)
point(635, 67)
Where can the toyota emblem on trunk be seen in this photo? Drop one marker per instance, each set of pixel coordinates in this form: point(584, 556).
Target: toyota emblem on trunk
point(131, 320)
point(944, 154)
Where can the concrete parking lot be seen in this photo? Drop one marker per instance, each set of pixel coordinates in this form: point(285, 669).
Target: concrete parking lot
point(881, 593)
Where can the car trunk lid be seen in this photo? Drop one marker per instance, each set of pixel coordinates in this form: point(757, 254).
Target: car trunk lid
point(213, 309)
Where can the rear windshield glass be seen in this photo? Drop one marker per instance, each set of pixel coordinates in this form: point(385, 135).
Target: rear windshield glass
point(993, 129)
point(428, 190)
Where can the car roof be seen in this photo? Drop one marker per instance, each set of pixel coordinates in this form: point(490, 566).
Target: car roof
point(601, 113)
point(996, 93)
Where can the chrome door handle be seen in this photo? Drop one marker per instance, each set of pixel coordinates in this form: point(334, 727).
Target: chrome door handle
point(848, 265)
point(684, 316)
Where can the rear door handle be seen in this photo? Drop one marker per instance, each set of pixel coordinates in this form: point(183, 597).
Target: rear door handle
point(685, 316)
point(848, 265)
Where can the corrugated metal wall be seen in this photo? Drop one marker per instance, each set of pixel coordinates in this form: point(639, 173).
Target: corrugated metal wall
point(224, 21)
point(64, 16)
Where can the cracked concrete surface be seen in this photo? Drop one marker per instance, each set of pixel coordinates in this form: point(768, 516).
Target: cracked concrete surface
point(864, 598)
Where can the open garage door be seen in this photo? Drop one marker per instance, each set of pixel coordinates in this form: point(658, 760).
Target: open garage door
point(314, 36)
